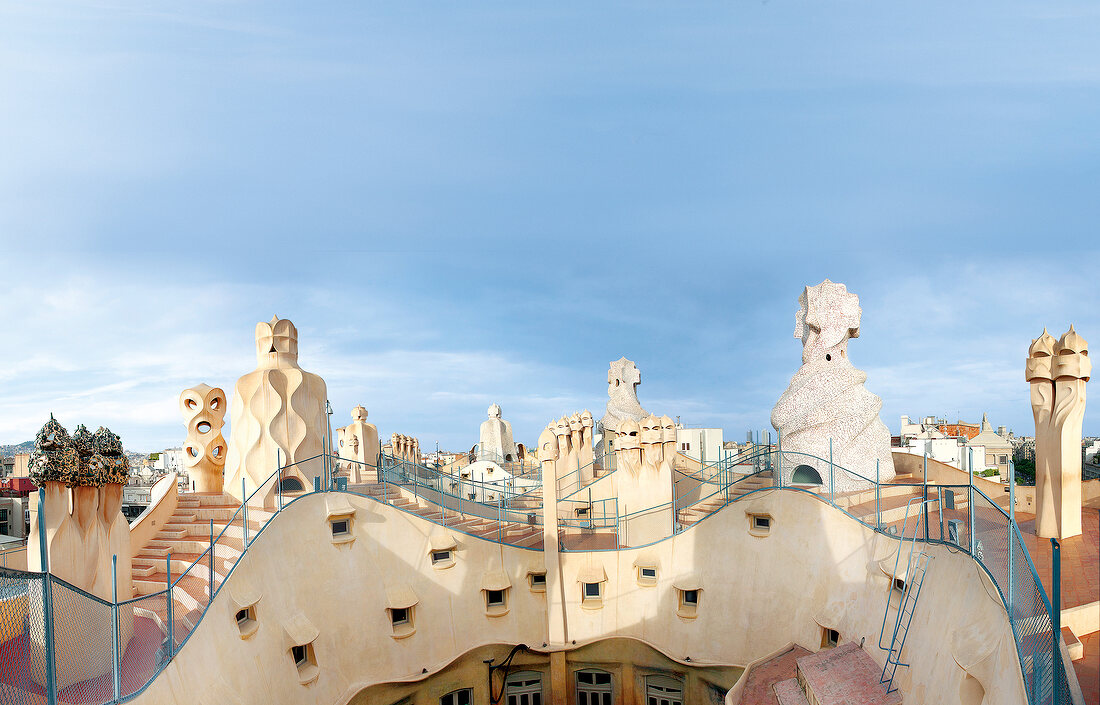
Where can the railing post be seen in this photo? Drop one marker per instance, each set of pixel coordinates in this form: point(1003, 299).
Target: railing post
point(42, 530)
point(1056, 616)
point(47, 601)
point(115, 639)
point(1011, 539)
point(244, 513)
point(618, 543)
point(832, 485)
point(171, 609)
point(673, 500)
point(211, 560)
point(924, 489)
point(779, 473)
point(970, 496)
point(878, 493)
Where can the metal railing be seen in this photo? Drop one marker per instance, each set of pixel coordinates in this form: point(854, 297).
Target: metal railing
point(512, 491)
point(61, 643)
point(13, 555)
point(960, 516)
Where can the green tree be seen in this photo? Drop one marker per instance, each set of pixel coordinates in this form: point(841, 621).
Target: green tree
point(1025, 472)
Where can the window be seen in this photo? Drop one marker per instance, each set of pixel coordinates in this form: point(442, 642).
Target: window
point(441, 557)
point(4, 522)
point(1002, 460)
point(246, 621)
point(591, 591)
point(305, 662)
point(593, 687)
point(341, 520)
point(685, 446)
point(458, 697)
point(538, 581)
point(523, 688)
point(496, 599)
point(662, 690)
point(899, 584)
point(401, 604)
point(829, 637)
point(760, 524)
point(648, 573)
point(688, 607)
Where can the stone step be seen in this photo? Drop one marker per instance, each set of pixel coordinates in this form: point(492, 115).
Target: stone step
point(789, 692)
point(846, 675)
point(532, 541)
point(179, 565)
point(142, 571)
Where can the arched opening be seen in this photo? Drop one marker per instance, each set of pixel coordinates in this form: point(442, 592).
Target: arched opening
point(523, 688)
point(805, 475)
point(290, 484)
point(662, 690)
point(594, 687)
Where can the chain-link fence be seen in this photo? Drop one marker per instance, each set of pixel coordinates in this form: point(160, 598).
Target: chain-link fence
point(999, 547)
point(61, 644)
point(23, 672)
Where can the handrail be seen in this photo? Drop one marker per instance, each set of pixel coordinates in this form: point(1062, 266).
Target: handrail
point(418, 470)
point(1030, 646)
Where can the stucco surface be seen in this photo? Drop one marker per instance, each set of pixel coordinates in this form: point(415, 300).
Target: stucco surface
point(816, 568)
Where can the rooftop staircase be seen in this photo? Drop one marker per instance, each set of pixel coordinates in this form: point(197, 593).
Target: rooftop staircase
point(513, 533)
point(693, 513)
point(187, 535)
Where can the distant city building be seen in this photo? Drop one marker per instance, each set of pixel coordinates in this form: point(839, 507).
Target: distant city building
point(1092, 451)
point(997, 449)
point(14, 466)
point(955, 443)
point(949, 451)
point(960, 429)
point(12, 522)
point(702, 444)
point(1023, 448)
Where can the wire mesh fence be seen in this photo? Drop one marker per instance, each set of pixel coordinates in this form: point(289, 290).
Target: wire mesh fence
point(999, 547)
point(56, 639)
point(82, 645)
point(23, 672)
point(147, 650)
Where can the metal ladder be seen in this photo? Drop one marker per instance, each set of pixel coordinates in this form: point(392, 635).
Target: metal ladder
point(916, 566)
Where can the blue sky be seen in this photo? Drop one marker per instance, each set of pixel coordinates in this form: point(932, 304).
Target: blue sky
point(462, 203)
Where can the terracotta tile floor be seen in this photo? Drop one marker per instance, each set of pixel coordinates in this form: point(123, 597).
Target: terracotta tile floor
point(845, 675)
point(1080, 558)
point(1080, 585)
point(1088, 668)
point(758, 687)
